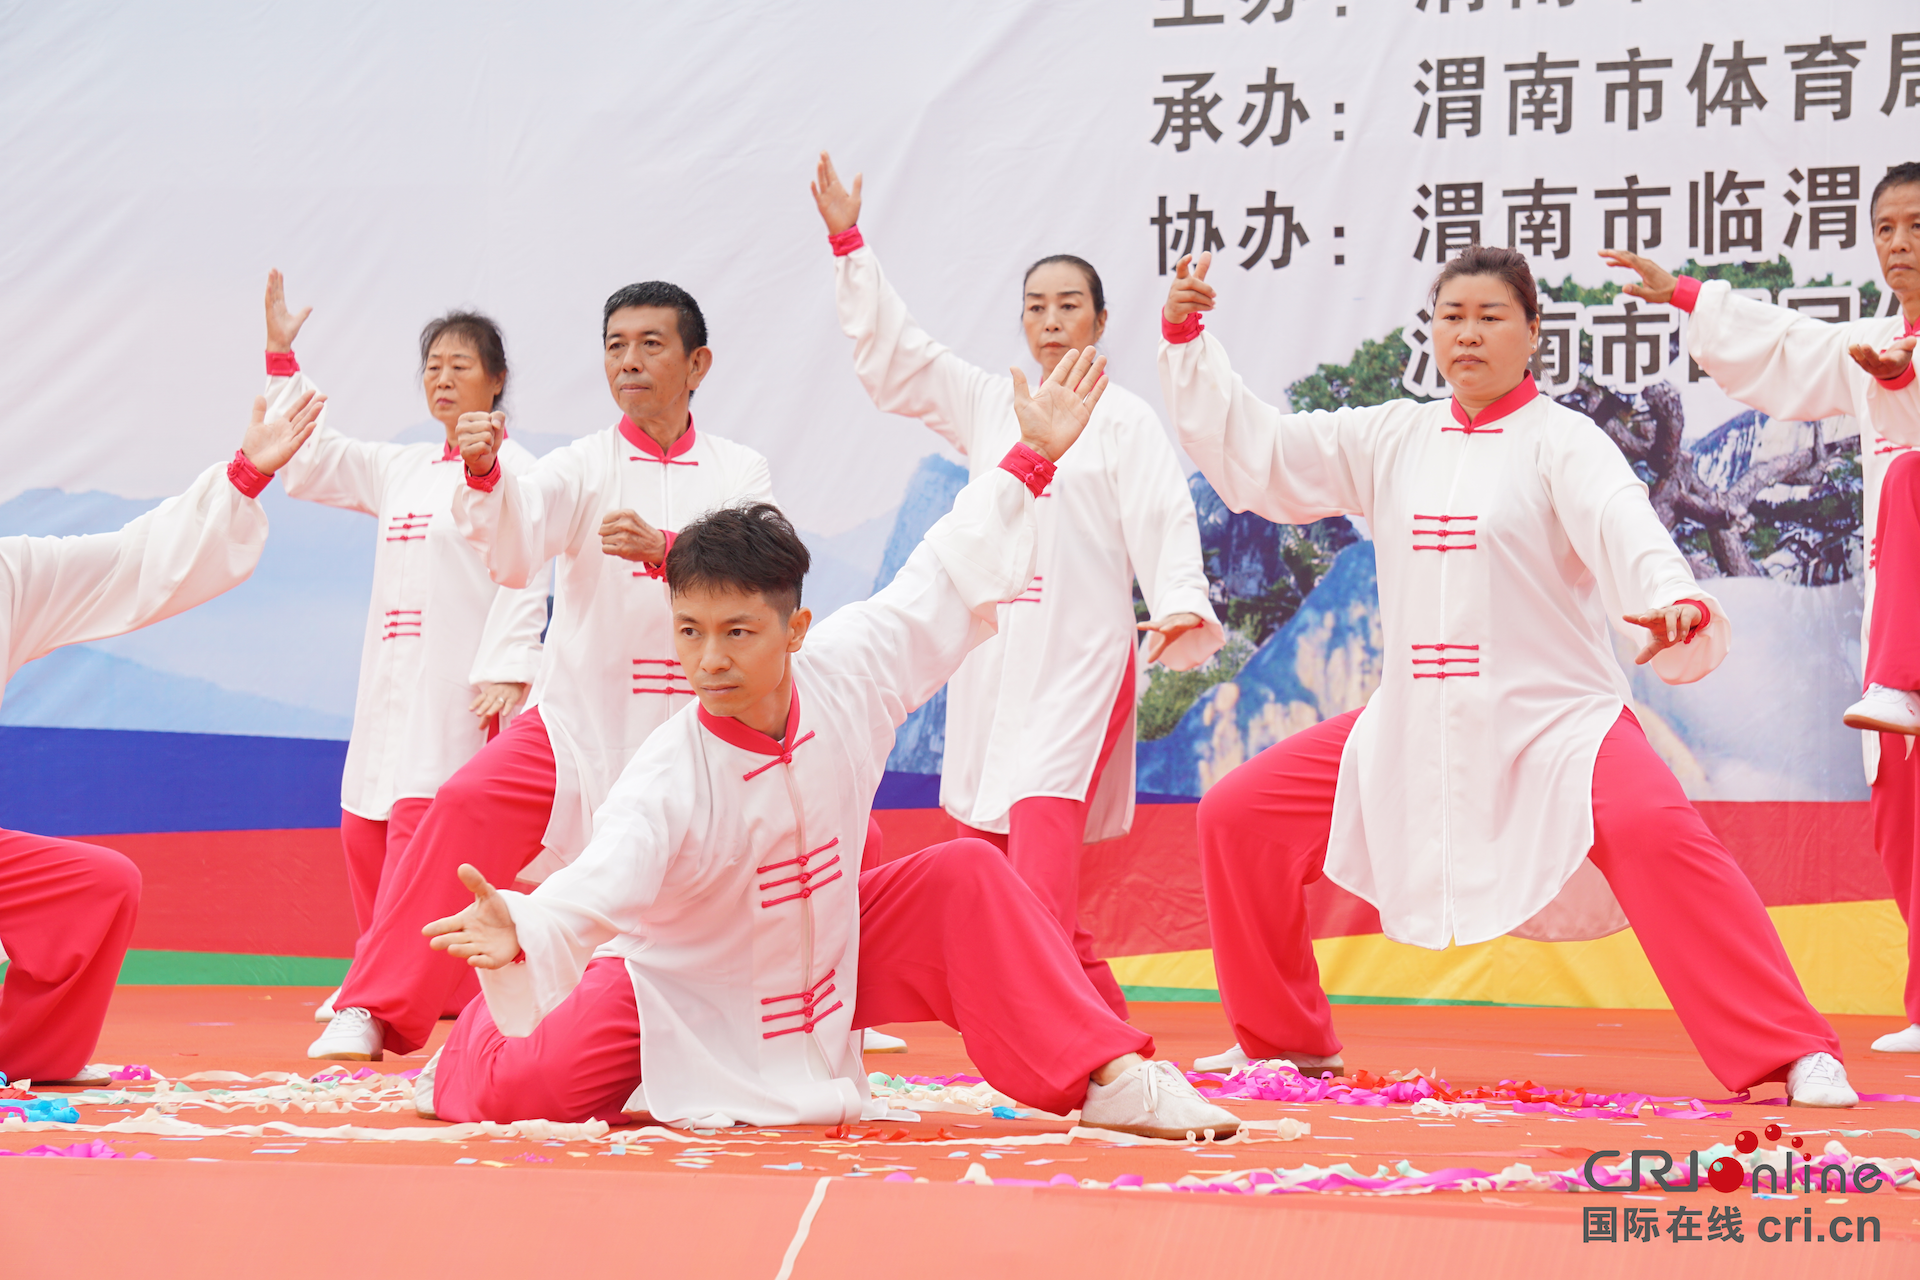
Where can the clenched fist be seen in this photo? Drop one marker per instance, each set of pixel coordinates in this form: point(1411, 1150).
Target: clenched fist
point(478, 436)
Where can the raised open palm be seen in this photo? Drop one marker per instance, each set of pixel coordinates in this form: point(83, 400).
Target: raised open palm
point(1053, 415)
point(483, 935)
point(838, 206)
point(268, 445)
point(282, 325)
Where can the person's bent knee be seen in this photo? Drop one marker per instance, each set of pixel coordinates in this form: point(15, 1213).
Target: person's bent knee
point(111, 875)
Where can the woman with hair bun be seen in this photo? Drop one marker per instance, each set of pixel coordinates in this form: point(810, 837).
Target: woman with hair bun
point(447, 655)
point(1039, 734)
point(1499, 755)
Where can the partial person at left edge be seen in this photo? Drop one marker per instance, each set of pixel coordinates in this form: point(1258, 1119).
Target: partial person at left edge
point(67, 909)
point(447, 656)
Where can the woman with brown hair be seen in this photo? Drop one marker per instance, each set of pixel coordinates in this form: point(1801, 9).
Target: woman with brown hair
point(1499, 755)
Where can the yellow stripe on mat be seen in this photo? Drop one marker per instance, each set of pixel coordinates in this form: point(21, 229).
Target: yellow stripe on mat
point(1851, 958)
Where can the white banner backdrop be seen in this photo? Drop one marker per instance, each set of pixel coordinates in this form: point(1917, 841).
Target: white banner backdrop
point(398, 159)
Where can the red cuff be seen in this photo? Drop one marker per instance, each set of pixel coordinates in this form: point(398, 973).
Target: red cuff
point(845, 242)
point(1706, 614)
point(1686, 292)
point(486, 482)
point(246, 477)
point(1899, 380)
point(281, 364)
point(658, 572)
point(1186, 331)
point(1029, 467)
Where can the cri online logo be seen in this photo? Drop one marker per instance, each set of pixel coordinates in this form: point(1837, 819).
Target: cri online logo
point(1727, 1174)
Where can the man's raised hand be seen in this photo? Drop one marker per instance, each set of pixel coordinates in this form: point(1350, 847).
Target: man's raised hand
point(1888, 363)
point(626, 535)
point(1666, 627)
point(839, 207)
point(1189, 291)
point(477, 436)
point(1053, 415)
point(1655, 283)
point(483, 935)
point(282, 326)
point(268, 445)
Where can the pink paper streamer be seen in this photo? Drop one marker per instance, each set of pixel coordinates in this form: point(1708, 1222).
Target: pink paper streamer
point(95, 1150)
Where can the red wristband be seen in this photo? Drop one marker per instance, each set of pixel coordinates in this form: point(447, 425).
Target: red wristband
point(1186, 331)
point(1029, 466)
point(486, 482)
point(1706, 618)
point(281, 364)
point(658, 572)
point(246, 477)
point(845, 242)
point(1686, 292)
point(1899, 380)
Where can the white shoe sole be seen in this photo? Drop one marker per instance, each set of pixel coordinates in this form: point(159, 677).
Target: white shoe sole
point(345, 1055)
point(1864, 720)
point(1172, 1135)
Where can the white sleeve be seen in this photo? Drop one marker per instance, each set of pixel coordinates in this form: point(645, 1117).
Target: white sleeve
point(1780, 361)
point(907, 639)
point(184, 552)
point(331, 469)
point(902, 368)
point(528, 519)
point(1291, 468)
point(1604, 509)
point(602, 894)
point(1162, 533)
point(510, 646)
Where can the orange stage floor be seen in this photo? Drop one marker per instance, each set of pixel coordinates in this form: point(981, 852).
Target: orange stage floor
point(216, 1206)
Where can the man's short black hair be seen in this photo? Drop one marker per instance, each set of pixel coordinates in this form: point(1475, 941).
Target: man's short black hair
point(658, 293)
point(748, 549)
point(1898, 175)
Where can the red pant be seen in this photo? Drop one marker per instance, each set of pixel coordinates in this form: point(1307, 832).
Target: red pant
point(493, 814)
point(1893, 659)
point(66, 913)
point(372, 847)
point(1896, 835)
point(1045, 841)
point(1263, 838)
point(947, 933)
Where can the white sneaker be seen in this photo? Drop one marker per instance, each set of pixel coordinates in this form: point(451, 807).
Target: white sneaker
point(325, 1012)
point(880, 1042)
point(1888, 710)
point(1907, 1041)
point(423, 1087)
point(1236, 1059)
point(1153, 1100)
point(1818, 1080)
point(354, 1035)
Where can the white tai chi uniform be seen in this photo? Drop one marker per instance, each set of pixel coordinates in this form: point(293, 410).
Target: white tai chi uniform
point(724, 871)
point(67, 909)
point(1464, 801)
point(608, 676)
point(437, 628)
point(1790, 365)
point(524, 805)
point(1043, 713)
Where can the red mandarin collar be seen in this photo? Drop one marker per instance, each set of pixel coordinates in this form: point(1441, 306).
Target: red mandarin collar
point(450, 454)
point(1911, 327)
point(734, 733)
point(1515, 399)
point(651, 447)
